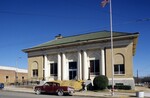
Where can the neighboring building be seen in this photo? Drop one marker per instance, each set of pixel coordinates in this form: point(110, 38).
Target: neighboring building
point(11, 75)
point(73, 57)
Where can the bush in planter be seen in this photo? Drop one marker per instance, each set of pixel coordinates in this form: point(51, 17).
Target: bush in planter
point(121, 84)
point(100, 82)
point(120, 87)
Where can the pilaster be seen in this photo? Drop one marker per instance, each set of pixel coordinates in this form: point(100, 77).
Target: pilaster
point(64, 72)
point(46, 68)
point(102, 68)
point(79, 66)
point(59, 66)
point(85, 66)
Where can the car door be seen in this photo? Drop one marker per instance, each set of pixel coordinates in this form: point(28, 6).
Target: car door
point(47, 87)
point(55, 87)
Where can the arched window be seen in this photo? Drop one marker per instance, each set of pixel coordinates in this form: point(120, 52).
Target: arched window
point(119, 66)
point(35, 69)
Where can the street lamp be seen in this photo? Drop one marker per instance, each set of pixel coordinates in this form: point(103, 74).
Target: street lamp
point(16, 73)
point(89, 74)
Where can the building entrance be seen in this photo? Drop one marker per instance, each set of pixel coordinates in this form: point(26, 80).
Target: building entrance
point(72, 70)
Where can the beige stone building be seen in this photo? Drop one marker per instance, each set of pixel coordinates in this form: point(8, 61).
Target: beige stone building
point(83, 57)
point(11, 75)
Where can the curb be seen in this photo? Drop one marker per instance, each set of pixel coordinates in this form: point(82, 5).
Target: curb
point(56, 94)
point(17, 91)
point(84, 94)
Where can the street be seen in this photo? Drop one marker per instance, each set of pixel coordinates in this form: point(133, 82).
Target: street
point(9, 94)
point(14, 92)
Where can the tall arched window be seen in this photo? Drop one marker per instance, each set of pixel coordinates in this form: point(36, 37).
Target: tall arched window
point(119, 66)
point(35, 69)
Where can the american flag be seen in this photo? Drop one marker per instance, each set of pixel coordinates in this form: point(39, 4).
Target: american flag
point(104, 2)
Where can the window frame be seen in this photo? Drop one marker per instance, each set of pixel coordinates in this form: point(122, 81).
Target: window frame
point(35, 72)
point(53, 69)
point(119, 69)
point(7, 79)
point(95, 69)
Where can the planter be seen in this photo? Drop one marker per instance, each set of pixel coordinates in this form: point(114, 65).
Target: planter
point(140, 94)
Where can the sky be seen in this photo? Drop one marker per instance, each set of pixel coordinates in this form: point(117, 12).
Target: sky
point(27, 23)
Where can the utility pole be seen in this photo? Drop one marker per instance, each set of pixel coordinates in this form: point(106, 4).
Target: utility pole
point(137, 77)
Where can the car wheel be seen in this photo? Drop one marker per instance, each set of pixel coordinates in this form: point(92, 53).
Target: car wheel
point(60, 93)
point(38, 91)
point(70, 93)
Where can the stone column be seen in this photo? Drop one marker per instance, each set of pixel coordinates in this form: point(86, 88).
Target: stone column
point(102, 68)
point(85, 66)
point(59, 66)
point(79, 66)
point(64, 73)
point(46, 68)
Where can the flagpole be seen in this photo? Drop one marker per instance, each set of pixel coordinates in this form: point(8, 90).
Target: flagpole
point(112, 59)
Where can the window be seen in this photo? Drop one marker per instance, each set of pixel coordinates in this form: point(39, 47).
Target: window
point(7, 77)
point(35, 72)
point(53, 69)
point(23, 79)
point(94, 67)
point(72, 70)
point(119, 69)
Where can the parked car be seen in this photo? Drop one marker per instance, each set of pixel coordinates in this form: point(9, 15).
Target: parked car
point(54, 87)
point(1, 85)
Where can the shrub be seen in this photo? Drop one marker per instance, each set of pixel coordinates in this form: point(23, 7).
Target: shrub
point(121, 87)
point(119, 84)
point(100, 82)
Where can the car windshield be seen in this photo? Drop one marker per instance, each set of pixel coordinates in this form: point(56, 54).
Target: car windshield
point(47, 84)
point(51, 84)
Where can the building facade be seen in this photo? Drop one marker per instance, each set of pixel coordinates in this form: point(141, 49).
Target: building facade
point(11, 75)
point(82, 57)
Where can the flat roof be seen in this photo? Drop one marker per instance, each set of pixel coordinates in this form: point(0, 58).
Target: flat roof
point(13, 69)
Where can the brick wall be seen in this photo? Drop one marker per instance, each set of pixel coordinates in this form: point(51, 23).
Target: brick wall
point(9, 76)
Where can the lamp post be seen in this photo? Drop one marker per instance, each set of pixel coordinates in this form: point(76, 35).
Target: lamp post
point(16, 73)
point(89, 74)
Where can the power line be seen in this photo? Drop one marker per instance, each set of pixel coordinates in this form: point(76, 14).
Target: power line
point(120, 24)
point(129, 22)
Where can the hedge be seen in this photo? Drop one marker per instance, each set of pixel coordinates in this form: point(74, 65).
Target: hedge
point(100, 82)
point(121, 87)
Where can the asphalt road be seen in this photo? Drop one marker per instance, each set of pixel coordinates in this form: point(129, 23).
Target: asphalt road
point(8, 94)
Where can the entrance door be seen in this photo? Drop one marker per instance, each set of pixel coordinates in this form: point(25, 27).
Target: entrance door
point(72, 70)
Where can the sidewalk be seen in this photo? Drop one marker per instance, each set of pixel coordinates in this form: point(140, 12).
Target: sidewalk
point(104, 94)
point(18, 89)
point(82, 93)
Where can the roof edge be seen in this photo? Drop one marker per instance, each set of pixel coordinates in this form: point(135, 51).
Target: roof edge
point(136, 34)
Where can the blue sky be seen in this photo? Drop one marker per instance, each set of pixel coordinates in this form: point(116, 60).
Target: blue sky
point(26, 23)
